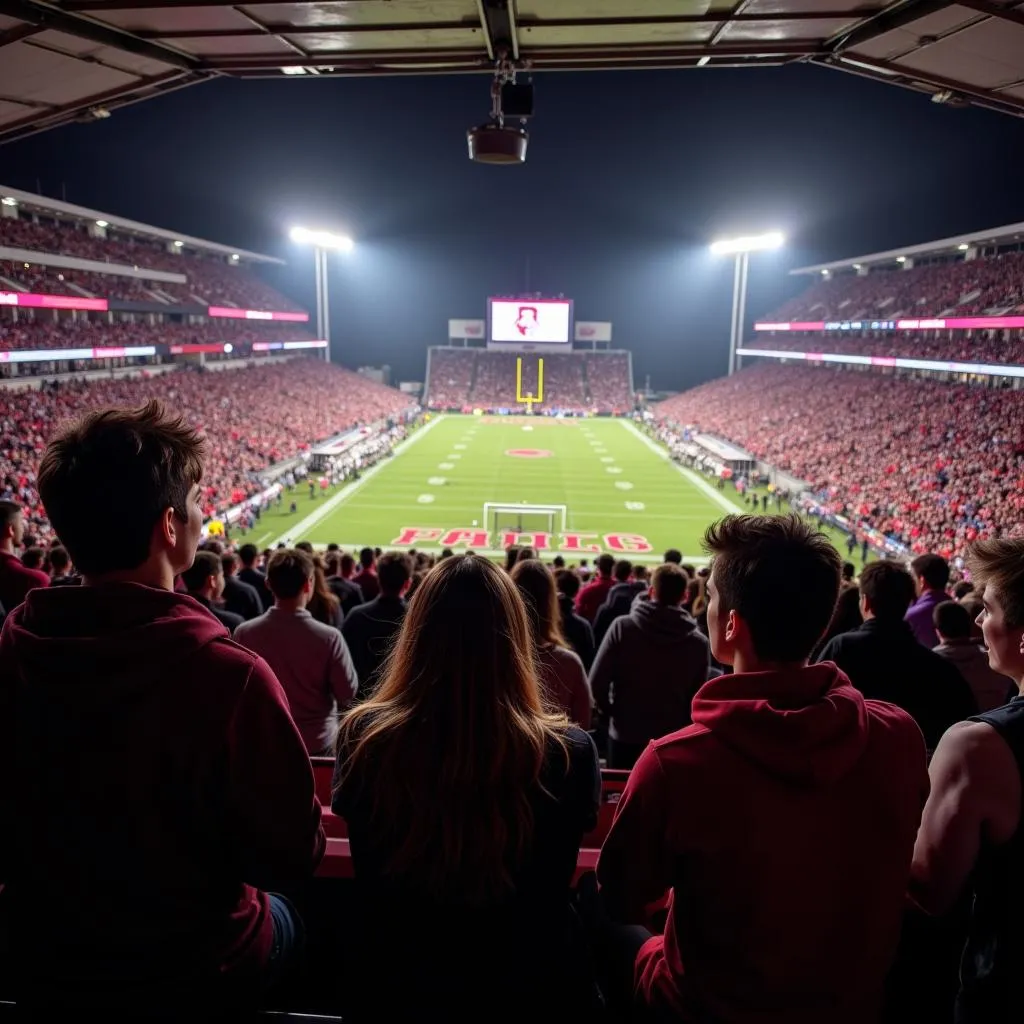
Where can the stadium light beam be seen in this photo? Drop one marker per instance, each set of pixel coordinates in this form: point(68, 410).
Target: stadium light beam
point(741, 248)
point(323, 242)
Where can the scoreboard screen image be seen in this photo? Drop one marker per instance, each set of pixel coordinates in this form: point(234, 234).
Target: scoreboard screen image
point(528, 322)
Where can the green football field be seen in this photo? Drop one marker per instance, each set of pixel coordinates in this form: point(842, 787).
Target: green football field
point(620, 490)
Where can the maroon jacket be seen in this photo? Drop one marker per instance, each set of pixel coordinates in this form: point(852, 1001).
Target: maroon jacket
point(783, 820)
point(152, 783)
point(16, 580)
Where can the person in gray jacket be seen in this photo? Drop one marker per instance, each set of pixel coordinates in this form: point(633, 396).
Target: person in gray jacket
point(310, 658)
point(648, 668)
point(952, 624)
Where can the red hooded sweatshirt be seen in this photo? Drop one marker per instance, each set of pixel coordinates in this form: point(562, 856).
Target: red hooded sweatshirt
point(783, 820)
point(152, 782)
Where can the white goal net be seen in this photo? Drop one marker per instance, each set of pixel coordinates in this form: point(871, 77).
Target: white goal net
point(524, 518)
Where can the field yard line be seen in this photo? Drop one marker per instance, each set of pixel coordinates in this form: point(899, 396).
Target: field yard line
point(349, 489)
point(650, 557)
point(702, 485)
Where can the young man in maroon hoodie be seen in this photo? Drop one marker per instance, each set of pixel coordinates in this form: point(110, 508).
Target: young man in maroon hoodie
point(781, 821)
point(152, 782)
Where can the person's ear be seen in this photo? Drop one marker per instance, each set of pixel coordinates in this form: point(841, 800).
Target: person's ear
point(732, 626)
point(169, 527)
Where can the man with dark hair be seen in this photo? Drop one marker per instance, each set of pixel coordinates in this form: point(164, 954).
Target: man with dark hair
point(673, 556)
point(240, 598)
point(366, 578)
point(16, 580)
point(184, 788)
point(649, 666)
point(311, 659)
point(577, 631)
point(248, 555)
point(972, 832)
point(371, 628)
point(931, 576)
point(593, 595)
point(953, 624)
point(348, 594)
point(204, 582)
point(60, 569)
point(782, 819)
point(620, 598)
point(884, 660)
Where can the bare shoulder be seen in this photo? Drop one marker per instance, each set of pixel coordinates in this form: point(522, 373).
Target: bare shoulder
point(976, 750)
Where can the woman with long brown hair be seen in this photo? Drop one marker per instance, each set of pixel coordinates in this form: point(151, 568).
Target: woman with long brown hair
point(561, 671)
point(466, 799)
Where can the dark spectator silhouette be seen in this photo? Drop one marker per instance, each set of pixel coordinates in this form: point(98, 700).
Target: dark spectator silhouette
point(953, 624)
point(577, 631)
point(204, 582)
point(16, 579)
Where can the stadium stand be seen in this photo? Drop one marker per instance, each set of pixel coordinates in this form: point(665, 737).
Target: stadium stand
point(989, 285)
point(211, 281)
point(254, 417)
point(931, 465)
point(462, 378)
point(996, 347)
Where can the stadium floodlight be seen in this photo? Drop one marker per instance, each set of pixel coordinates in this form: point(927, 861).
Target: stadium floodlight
point(748, 243)
point(322, 239)
point(102, 224)
point(323, 242)
point(8, 201)
point(741, 247)
point(963, 247)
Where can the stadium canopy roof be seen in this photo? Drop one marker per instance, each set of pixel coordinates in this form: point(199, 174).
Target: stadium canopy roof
point(1010, 234)
point(68, 211)
point(80, 59)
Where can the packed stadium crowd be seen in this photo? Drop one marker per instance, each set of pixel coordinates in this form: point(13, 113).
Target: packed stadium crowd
point(929, 464)
point(211, 280)
point(463, 378)
point(995, 347)
point(253, 417)
point(991, 284)
point(47, 332)
point(821, 768)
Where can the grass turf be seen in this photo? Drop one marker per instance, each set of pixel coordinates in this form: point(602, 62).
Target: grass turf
point(614, 482)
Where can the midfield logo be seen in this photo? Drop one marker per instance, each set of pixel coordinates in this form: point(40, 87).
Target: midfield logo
point(482, 540)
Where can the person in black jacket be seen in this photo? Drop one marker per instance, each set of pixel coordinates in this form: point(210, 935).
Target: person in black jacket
point(576, 630)
point(204, 582)
point(884, 660)
point(620, 598)
point(370, 629)
point(348, 593)
point(247, 555)
point(239, 597)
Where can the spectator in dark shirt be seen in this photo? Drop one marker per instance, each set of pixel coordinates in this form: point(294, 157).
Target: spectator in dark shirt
point(15, 579)
point(577, 631)
point(371, 628)
point(366, 578)
point(240, 597)
point(620, 598)
point(349, 595)
point(885, 661)
point(466, 802)
point(60, 568)
point(184, 788)
point(204, 582)
point(991, 689)
point(648, 668)
point(248, 555)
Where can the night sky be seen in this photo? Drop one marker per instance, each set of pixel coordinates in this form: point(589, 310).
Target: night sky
point(629, 176)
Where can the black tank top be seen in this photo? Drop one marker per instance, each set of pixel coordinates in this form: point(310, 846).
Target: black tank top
point(991, 991)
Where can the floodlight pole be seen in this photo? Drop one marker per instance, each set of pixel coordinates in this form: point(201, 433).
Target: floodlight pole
point(323, 311)
point(739, 307)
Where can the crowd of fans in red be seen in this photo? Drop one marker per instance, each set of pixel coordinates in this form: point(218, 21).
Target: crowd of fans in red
point(931, 465)
point(781, 849)
point(956, 288)
point(211, 279)
point(253, 417)
point(46, 332)
point(461, 378)
point(1002, 347)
